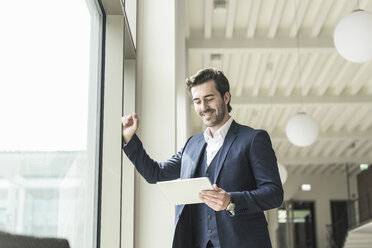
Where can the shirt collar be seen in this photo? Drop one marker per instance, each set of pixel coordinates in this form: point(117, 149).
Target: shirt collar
point(220, 133)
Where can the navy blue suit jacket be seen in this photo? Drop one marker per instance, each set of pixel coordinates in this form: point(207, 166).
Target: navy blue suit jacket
point(246, 168)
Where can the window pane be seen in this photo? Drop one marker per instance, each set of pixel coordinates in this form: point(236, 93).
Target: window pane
point(49, 128)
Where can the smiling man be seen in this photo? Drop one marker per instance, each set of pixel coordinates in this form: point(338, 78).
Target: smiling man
point(238, 159)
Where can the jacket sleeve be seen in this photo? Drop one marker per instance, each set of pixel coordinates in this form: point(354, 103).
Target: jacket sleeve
point(151, 170)
point(269, 191)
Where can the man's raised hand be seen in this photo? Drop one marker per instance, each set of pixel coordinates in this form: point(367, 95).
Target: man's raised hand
point(129, 126)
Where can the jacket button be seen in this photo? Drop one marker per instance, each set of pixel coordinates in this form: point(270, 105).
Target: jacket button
point(207, 174)
point(209, 216)
point(209, 231)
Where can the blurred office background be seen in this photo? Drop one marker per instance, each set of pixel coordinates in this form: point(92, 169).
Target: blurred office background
point(69, 70)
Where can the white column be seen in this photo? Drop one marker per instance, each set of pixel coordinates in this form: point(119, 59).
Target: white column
point(156, 106)
point(183, 96)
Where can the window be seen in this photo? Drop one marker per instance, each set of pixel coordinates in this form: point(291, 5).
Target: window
point(50, 114)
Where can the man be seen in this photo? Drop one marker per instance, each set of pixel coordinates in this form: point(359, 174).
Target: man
point(238, 160)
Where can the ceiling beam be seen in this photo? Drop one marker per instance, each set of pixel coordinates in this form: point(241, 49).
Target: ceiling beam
point(275, 18)
point(304, 169)
point(299, 17)
point(253, 17)
point(206, 60)
point(329, 118)
point(226, 63)
point(283, 59)
point(324, 160)
point(323, 13)
point(242, 74)
point(295, 77)
point(337, 169)
point(344, 78)
point(326, 169)
point(360, 78)
point(307, 68)
point(208, 8)
point(275, 101)
point(230, 19)
point(238, 45)
point(354, 169)
point(330, 135)
point(315, 169)
point(314, 72)
point(342, 120)
point(328, 73)
point(293, 169)
point(364, 150)
point(260, 73)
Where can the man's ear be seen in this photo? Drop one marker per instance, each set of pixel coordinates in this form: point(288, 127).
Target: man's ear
point(227, 97)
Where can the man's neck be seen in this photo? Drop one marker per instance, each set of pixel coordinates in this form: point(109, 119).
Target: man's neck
point(213, 130)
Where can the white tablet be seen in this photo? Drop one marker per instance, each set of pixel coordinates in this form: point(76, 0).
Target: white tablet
point(185, 191)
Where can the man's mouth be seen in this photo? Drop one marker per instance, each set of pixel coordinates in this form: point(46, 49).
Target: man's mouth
point(207, 113)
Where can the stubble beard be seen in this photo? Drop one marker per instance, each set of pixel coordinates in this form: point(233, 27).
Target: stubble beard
point(217, 116)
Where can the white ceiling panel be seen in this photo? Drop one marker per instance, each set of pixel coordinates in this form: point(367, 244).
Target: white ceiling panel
point(280, 60)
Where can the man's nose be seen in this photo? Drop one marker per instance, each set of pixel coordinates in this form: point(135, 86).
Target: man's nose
point(204, 106)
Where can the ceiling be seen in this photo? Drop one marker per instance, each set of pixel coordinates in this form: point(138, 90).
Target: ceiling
point(280, 59)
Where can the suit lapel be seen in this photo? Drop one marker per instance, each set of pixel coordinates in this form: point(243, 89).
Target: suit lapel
point(196, 150)
point(229, 139)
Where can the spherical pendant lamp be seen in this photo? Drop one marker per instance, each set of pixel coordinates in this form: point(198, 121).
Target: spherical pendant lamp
point(353, 37)
point(283, 173)
point(302, 130)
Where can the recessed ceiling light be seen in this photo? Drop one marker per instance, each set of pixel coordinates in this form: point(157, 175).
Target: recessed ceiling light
point(364, 166)
point(306, 187)
point(216, 59)
point(220, 6)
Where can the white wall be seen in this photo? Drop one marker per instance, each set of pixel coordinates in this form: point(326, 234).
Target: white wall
point(324, 189)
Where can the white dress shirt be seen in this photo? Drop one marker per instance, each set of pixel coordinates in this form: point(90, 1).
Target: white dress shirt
point(214, 143)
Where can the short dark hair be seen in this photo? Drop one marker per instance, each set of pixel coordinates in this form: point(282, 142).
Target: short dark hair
point(205, 75)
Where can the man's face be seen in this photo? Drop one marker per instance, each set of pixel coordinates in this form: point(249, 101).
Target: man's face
point(209, 104)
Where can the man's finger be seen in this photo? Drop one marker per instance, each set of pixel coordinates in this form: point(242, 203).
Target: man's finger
point(208, 196)
point(216, 188)
point(135, 118)
point(213, 203)
point(210, 193)
point(123, 119)
point(215, 198)
point(214, 193)
point(209, 200)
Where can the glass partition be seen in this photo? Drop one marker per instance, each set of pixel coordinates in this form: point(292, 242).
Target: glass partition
point(50, 114)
